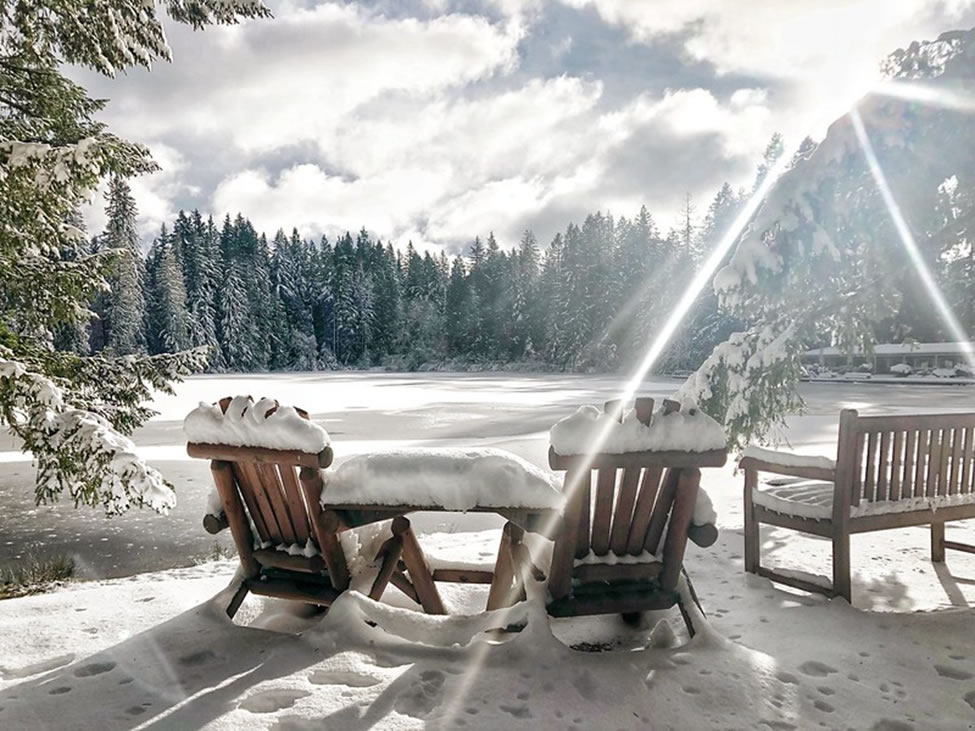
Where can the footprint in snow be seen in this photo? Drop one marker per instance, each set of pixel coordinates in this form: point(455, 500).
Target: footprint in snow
point(522, 711)
point(823, 706)
point(947, 671)
point(342, 677)
point(37, 668)
point(783, 677)
point(269, 701)
point(423, 696)
point(816, 669)
point(197, 658)
point(60, 690)
point(892, 724)
point(969, 698)
point(94, 668)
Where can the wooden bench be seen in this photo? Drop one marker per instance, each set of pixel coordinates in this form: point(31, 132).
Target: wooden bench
point(890, 472)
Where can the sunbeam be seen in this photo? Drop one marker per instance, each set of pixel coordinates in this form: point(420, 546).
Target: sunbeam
point(907, 239)
point(935, 97)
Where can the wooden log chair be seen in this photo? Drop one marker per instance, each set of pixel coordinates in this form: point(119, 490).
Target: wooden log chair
point(277, 494)
point(890, 472)
point(623, 545)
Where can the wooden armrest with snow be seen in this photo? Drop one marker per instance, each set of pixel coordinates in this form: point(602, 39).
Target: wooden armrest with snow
point(786, 463)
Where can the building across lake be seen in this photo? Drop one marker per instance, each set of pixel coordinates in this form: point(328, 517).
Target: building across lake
point(919, 356)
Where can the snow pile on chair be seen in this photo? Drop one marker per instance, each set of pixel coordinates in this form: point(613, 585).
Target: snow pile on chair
point(589, 429)
point(247, 424)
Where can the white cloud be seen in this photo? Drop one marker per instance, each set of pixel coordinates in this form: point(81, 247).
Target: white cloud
point(829, 50)
point(265, 84)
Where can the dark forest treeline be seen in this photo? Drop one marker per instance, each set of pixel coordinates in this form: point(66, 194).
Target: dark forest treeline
point(593, 299)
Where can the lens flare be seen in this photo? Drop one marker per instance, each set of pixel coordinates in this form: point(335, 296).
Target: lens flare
point(928, 95)
point(907, 239)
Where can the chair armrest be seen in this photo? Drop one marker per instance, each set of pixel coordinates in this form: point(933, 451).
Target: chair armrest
point(786, 463)
point(703, 535)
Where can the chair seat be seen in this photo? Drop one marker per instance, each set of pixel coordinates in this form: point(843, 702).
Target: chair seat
point(814, 499)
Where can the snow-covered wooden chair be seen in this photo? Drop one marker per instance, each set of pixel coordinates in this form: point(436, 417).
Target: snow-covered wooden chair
point(890, 472)
point(629, 514)
point(266, 461)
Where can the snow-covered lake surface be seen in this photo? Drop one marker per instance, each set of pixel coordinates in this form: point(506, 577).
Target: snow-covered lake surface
point(154, 651)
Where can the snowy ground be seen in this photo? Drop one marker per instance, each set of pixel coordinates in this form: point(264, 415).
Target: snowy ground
point(153, 651)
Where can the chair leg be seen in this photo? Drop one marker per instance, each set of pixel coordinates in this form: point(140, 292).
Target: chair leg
point(686, 616)
point(416, 564)
point(237, 600)
point(938, 542)
point(841, 564)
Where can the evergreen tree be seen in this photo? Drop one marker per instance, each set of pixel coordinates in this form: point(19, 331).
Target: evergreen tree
point(200, 243)
point(126, 302)
point(168, 320)
point(72, 413)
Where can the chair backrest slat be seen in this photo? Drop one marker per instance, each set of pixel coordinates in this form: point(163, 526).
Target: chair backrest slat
point(623, 515)
point(246, 477)
point(296, 504)
point(585, 508)
point(270, 481)
point(649, 486)
point(603, 512)
point(661, 511)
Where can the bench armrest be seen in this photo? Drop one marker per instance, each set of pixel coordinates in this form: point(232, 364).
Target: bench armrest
point(786, 463)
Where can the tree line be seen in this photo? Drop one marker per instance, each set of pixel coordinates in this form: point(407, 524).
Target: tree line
point(593, 299)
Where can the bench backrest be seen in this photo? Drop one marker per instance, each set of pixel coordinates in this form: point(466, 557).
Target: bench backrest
point(886, 458)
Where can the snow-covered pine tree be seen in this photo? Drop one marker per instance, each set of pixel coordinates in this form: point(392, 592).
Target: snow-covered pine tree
point(201, 265)
point(72, 413)
point(823, 255)
point(169, 322)
point(126, 304)
point(73, 337)
point(236, 329)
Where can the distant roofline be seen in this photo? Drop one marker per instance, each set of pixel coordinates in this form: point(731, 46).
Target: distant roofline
point(954, 348)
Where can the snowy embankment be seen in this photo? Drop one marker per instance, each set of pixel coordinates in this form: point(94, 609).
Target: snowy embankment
point(157, 650)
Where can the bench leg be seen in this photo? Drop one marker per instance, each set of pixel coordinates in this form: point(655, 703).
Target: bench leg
point(938, 542)
point(841, 564)
point(752, 545)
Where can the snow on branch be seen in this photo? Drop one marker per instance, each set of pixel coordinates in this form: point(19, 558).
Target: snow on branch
point(77, 450)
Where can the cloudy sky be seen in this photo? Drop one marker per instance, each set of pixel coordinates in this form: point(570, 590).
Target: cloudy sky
point(435, 120)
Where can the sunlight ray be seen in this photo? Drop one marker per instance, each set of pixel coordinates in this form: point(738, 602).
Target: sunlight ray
point(935, 97)
point(910, 245)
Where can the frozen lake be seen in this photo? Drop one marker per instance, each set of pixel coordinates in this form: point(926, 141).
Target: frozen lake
point(366, 411)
